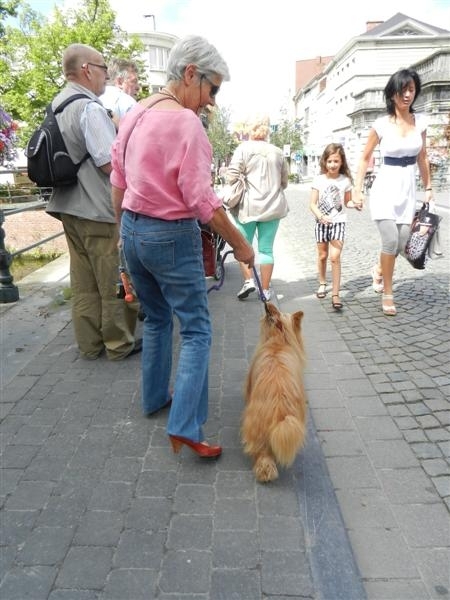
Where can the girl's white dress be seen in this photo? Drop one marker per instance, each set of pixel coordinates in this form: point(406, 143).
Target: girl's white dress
point(393, 193)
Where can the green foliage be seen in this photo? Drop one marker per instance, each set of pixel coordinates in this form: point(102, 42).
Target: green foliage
point(30, 54)
point(219, 135)
point(287, 132)
point(8, 8)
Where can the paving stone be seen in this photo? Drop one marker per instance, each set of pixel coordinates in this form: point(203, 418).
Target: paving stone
point(424, 525)
point(341, 443)
point(377, 428)
point(235, 584)
point(414, 435)
point(185, 572)
point(445, 448)
point(390, 557)
point(28, 582)
point(190, 532)
point(433, 564)
point(85, 568)
point(136, 584)
point(442, 485)
point(396, 588)
point(236, 513)
point(30, 495)
point(286, 572)
point(407, 486)
point(99, 528)
point(111, 495)
point(332, 419)
point(140, 550)
point(426, 450)
point(236, 550)
point(46, 546)
point(149, 514)
point(391, 453)
point(281, 533)
point(18, 456)
point(156, 483)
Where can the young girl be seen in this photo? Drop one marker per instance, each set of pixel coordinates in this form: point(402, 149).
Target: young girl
point(331, 191)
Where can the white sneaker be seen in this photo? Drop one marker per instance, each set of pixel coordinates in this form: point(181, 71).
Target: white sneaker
point(246, 289)
point(267, 295)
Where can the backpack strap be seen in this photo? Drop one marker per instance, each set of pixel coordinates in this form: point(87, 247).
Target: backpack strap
point(67, 101)
point(63, 105)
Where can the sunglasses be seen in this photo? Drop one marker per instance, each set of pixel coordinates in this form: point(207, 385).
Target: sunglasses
point(104, 67)
point(214, 88)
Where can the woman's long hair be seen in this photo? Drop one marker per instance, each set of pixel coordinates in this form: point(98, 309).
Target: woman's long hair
point(396, 84)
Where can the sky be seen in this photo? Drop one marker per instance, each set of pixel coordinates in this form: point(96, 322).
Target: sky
point(262, 39)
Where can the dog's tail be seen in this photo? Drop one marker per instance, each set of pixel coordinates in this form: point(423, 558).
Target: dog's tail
point(286, 439)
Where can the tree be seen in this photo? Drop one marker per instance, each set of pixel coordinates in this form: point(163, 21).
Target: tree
point(8, 8)
point(221, 139)
point(287, 132)
point(30, 54)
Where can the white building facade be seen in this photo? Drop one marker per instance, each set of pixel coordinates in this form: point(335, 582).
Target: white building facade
point(341, 103)
point(156, 52)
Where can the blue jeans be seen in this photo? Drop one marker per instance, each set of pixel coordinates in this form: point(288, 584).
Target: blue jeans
point(165, 261)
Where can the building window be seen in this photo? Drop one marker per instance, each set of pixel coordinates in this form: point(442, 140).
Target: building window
point(158, 58)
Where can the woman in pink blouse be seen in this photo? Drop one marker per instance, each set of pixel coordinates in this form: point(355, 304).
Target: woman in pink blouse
point(161, 188)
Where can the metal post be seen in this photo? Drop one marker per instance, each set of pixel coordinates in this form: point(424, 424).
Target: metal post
point(154, 21)
point(8, 291)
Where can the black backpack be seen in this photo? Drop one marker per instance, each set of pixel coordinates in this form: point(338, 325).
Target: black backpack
point(49, 164)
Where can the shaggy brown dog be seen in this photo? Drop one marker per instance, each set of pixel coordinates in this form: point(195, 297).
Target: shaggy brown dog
point(274, 419)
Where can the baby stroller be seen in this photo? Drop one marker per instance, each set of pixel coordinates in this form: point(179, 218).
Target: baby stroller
point(212, 244)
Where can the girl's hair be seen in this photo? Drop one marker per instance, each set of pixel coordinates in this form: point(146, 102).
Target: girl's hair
point(396, 84)
point(335, 149)
point(195, 50)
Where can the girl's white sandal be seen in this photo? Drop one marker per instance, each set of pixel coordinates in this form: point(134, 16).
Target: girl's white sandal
point(388, 309)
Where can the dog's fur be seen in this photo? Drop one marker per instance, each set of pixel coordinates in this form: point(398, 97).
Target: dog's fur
point(274, 419)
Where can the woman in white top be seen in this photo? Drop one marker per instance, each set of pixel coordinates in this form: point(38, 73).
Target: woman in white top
point(264, 202)
point(401, 135)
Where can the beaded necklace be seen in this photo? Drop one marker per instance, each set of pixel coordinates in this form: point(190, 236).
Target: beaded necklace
point(166, 92)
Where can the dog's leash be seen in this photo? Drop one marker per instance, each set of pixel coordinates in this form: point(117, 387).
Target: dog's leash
point(264, 301)
point(260, 290)
point(218, 285)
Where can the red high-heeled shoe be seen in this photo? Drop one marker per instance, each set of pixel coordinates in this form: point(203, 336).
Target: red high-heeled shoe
point(200, 448)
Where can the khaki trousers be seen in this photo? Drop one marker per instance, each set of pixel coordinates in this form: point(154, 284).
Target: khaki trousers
point(100, 319)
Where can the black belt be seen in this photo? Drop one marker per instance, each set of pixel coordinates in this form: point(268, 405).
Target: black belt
point(401, 161)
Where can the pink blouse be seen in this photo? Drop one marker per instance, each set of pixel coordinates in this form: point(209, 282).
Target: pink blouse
point(167, 165)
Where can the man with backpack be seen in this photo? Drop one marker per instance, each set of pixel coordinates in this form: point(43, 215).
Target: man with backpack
point(102, 322)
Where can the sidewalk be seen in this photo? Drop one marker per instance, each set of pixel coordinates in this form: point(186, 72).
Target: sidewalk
point(96, 507)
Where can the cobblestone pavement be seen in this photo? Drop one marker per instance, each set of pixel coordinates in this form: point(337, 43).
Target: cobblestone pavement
point(96, 507)
point(406, 358)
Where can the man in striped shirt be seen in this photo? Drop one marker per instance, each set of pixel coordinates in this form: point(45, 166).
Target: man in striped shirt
point(102, 322)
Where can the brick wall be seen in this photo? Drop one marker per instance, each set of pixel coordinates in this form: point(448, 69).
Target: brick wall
point(29, 227)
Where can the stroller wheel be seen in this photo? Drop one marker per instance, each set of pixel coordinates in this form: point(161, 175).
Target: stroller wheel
point(219, 269)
